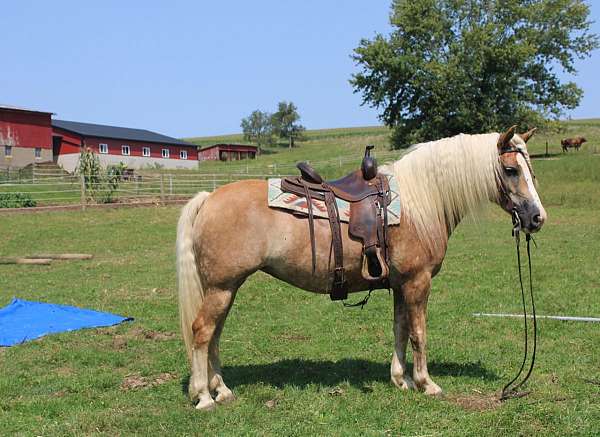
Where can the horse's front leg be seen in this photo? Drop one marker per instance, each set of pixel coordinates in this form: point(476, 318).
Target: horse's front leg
point(416, 293)
point(400, 377)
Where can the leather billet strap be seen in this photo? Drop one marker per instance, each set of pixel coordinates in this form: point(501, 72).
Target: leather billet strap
point(311, 226)
point(339, 287)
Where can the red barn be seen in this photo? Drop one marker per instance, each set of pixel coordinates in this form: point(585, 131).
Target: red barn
point(227, 152)
point(25, 136)
point(136, 148)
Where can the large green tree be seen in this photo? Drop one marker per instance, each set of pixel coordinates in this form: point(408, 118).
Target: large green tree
point(285, 122)
point(452, 66)
point(257, 127)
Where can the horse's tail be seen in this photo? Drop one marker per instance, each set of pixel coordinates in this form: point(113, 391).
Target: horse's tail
point(191, 292)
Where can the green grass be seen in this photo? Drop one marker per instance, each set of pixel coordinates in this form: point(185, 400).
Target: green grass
point(325, 368)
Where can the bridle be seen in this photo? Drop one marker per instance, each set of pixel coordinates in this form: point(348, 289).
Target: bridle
point(515, 149)
point(504, 194)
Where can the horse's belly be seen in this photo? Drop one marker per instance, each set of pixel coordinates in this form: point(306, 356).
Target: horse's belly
point(290, 254)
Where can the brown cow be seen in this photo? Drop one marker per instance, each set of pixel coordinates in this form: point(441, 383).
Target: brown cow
point(575, 142)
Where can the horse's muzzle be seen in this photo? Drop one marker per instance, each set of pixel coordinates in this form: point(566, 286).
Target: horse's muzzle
point(532, 219)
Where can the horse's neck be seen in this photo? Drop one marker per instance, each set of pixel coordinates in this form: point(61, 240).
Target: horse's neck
point(460, 189)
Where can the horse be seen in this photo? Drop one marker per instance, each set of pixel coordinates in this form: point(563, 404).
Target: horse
point(572, 143)
point(225, 236)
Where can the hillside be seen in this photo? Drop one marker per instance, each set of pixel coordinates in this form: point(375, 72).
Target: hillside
point(334, 151)
point(327, 148)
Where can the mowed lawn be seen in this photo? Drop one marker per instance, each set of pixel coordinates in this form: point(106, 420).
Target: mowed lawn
point(298, 363)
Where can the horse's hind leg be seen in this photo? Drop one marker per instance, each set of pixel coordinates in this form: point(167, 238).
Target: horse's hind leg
point(399, 376)
point(214, 308)
point(216, 383)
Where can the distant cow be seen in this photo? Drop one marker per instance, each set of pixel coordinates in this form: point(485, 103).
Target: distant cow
point(575, 142)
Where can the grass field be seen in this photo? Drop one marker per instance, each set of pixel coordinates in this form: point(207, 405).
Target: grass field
point(298, 363)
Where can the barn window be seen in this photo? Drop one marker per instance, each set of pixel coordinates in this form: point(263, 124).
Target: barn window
point(165, 153)
point(7, 150)
point(145, 151)
point(183, 154)
point(125, 150)
point(103, 148)
point(37, 152)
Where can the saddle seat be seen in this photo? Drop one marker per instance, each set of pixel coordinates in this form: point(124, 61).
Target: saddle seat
point(351, 188)
point(368, 193)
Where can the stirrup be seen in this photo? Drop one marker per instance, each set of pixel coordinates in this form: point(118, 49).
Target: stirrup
point(385, 271)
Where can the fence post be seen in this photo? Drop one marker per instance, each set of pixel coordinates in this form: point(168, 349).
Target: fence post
point(546, 148)
point(214, 182)
point(162, 189)
point(170, 185)
point(83, 196)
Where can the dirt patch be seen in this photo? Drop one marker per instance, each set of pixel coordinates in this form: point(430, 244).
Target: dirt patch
point(64, 371)
point(148, 334)
point(155, 335)
point(135, 381)
point(120, 341)
point(476, 401)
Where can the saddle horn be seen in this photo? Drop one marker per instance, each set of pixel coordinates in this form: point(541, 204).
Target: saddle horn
point(369, 164)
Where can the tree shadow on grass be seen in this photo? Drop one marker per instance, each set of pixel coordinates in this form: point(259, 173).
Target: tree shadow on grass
point(356, 372)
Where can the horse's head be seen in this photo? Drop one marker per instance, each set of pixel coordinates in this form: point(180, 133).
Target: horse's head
point(516, 180)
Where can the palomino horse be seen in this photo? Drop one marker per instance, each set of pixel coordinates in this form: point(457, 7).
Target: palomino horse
point(224, 237)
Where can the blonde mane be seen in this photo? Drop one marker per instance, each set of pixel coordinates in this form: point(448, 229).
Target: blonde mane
point(442, 181)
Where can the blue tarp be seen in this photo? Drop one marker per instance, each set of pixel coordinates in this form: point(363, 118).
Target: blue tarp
point(23, 320)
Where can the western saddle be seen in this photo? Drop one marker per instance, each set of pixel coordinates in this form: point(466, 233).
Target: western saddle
point(368, 193)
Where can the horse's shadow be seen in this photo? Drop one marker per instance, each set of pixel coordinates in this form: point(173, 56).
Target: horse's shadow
point(356, 372)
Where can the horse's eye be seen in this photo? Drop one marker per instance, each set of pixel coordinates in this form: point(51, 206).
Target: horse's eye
point(511, 171)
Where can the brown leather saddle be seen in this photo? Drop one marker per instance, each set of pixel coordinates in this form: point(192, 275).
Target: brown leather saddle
point(368, 193)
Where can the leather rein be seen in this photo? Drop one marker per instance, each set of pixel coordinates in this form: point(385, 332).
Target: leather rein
point(510, 390)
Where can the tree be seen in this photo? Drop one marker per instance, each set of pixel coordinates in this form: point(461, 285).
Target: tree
point(285, 122)
point(452, 66)
point(257, 127)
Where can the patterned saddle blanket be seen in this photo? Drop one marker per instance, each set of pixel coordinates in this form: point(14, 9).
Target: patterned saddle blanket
point(291, 202)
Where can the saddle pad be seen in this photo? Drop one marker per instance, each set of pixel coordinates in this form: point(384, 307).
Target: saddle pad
point(291, 202)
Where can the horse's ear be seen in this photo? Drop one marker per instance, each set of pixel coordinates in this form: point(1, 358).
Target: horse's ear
point(527, 135)
point(504, 140)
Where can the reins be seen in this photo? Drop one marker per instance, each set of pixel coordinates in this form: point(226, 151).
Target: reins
point(510, 390)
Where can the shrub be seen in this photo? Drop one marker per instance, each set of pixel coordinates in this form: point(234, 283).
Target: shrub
point(100, 184)
point(16, 200)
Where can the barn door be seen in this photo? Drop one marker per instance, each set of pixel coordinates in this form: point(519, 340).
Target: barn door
point(56, 141)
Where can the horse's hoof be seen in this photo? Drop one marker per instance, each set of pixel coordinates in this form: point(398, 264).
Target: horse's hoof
point(225, 397)
point(404, 382)
point(206, 404)
point(433, 389)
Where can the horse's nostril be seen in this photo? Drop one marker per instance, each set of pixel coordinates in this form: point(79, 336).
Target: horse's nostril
point(537, 220)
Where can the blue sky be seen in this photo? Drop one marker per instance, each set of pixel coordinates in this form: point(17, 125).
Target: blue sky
point(194, 68)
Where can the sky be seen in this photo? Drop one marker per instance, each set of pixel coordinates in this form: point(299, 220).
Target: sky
point(196, 68)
